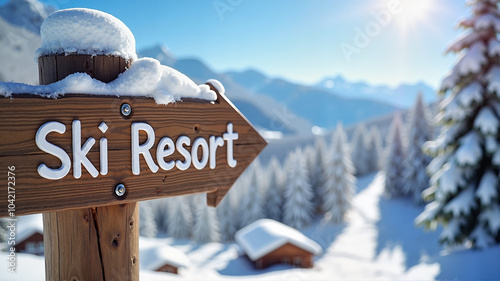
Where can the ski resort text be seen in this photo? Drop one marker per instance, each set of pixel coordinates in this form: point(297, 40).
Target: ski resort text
point(165, 148)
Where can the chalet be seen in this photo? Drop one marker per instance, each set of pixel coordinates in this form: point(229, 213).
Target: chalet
point(29, 237)
point(163, 259)
point(267, 242)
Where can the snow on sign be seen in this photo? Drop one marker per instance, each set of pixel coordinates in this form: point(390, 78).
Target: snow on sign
point(106, 128)
point(74, 151)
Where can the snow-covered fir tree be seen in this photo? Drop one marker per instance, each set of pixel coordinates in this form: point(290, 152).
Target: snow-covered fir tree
point(374, 149)
point(251, 201)
point(274, 196)
point(180, 219)
point(464, 189)
point(298, 208)
point(338, 190)
point(192, 202)
point(419, 132)
point(236, 195)
point(226, 217)
point(311, 166)
point(263, 183)
point(160, 211)
point(315, 156)
point(206, 225)
point(359, 150)
point(147, 224)
point(395, 159)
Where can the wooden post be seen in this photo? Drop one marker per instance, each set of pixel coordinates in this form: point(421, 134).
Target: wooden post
point(99, 243)
point(103, 68)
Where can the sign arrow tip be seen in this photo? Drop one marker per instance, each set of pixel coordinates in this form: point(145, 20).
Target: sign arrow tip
point(258, 144)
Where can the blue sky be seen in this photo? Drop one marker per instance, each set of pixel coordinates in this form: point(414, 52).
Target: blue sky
point(300, 40)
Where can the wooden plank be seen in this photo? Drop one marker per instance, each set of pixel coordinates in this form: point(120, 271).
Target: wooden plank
point(23, 115)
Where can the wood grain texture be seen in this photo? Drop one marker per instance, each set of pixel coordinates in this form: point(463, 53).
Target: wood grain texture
point(92, 243)
point(22, 115)
point(104, 68)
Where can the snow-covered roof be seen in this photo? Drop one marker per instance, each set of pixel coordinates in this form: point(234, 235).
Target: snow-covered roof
point(28, 225)
point(86, 31)
point(264, 236)
point(154, 257)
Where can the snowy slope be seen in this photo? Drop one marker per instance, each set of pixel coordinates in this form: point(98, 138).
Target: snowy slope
point(378, 241)
point(17, 49)
point(401, 96)
point(20, 22)
point(28, 14)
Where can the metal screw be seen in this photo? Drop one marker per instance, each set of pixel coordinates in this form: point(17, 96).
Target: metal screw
point(120, 189)
point(126, 109)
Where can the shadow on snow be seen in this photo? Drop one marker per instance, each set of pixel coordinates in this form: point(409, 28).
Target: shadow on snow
point(396, 228)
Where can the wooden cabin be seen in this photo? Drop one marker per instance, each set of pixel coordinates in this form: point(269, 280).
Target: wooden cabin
point(163, 259)
point(29, 238)
point(267, 242)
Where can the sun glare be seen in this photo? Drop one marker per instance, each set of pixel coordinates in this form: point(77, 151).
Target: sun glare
point(413, 13)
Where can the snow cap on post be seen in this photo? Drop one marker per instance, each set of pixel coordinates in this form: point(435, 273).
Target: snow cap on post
point(86, 32)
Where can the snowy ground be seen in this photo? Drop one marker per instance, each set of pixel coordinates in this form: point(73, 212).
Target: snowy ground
point(378, 241)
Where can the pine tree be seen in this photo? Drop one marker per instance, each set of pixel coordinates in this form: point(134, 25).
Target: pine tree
point(374, 149)
point(252, 202)
point(147, 224)
point(274, 195)
point(298, 208)
point(315, 156)
point(236, 195)
point(464, 187)
point(338, 190)
point(192, 202)
point(206, 226)
point(419, 132)
point(394, 165)
point(226, 217)
point(263, 176)
point(160, 211)
point(180, 220)
point(359, 150)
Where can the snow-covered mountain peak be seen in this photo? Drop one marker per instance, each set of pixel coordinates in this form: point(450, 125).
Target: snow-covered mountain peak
point(28, 14)
point(159, 52)
point(251, 78)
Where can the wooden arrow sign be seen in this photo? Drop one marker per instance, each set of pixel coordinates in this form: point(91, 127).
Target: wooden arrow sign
point(73, 152)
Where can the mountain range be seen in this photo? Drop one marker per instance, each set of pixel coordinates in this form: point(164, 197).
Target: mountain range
point(320, 107)
point(271, 104)
point(28, 14)
point(404, 95)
